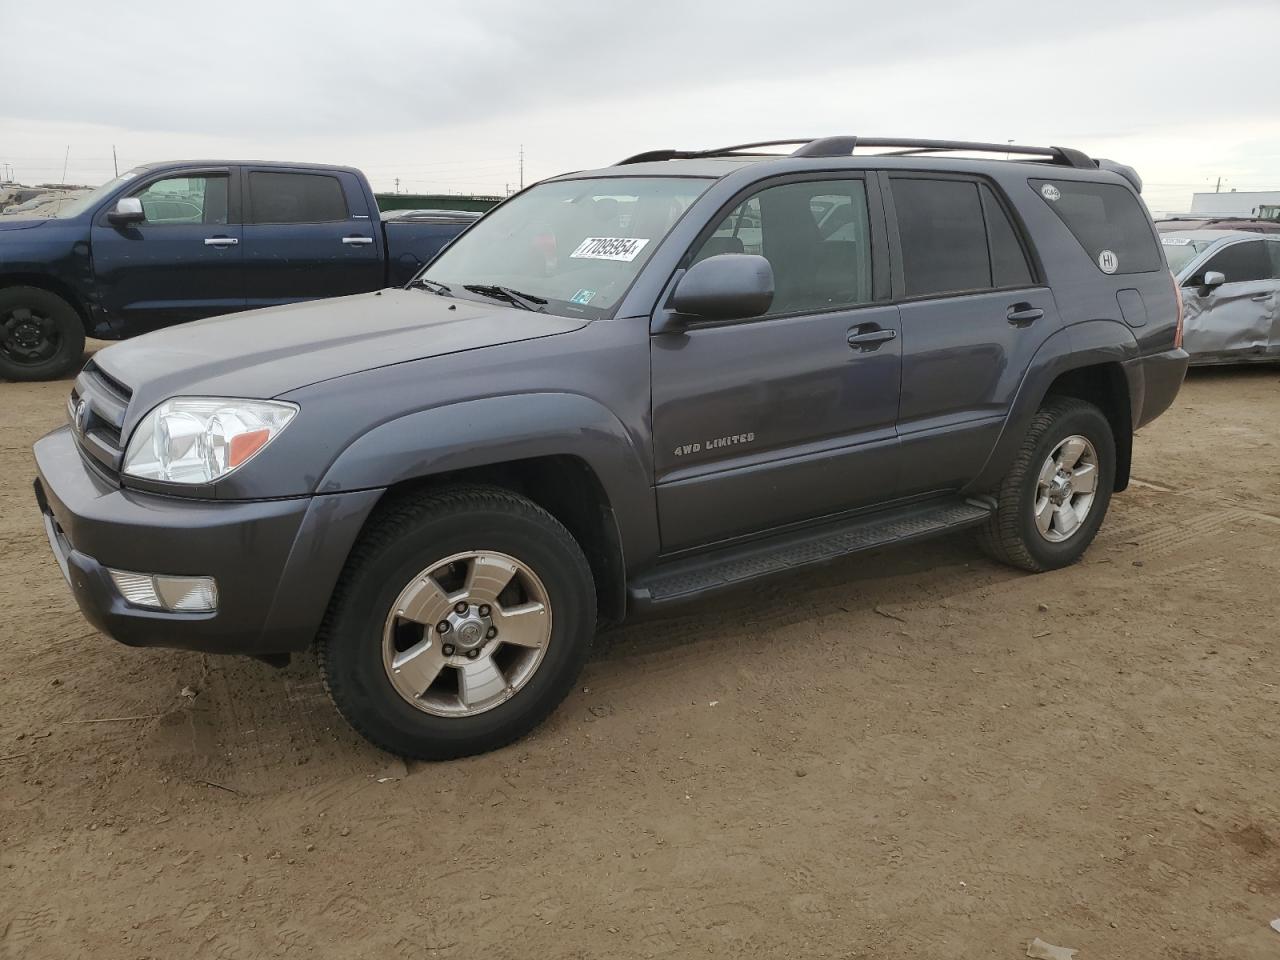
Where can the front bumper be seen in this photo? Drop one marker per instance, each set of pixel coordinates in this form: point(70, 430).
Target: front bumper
point(276, 561)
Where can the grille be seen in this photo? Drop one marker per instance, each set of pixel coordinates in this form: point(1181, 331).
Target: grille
point(96, 411)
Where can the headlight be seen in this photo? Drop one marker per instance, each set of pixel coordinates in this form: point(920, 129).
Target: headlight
point(201, 439)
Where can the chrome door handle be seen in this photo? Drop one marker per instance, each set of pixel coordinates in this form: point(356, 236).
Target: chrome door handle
point(870, 339)
point(220, 241)
point(357, 241)
point(1022, 314)
point(1260, 297)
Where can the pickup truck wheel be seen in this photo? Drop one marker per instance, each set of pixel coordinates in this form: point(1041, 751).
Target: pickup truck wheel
point(41, 336)
point(1053, 499)
point(462, 620)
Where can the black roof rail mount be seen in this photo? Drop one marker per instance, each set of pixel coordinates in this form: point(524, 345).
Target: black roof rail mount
point(845, 146)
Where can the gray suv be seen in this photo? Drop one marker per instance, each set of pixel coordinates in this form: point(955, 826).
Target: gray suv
point(621, 389)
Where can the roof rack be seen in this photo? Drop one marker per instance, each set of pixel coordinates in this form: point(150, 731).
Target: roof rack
point(844, 146)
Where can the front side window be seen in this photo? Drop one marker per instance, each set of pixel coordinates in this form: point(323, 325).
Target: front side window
point(815, 235)
point(1239, 263)
point(1107, 220)
point(1273, 248)
point(574, 245)
point(186, 200)
point(295, 198)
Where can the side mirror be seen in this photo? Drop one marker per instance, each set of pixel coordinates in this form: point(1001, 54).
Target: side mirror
point(730, 286)
point(1213, 278)
point(127, 210)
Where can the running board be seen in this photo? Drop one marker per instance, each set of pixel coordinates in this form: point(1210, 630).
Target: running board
point(694, 577)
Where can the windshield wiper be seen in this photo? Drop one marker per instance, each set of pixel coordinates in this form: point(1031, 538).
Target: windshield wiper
point(435, 286)
point(525, 301)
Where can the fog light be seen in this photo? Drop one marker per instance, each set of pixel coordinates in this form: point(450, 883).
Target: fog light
point(175, 594)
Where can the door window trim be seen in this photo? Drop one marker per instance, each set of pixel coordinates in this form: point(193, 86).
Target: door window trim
point(1015, 220)
point(875, 221)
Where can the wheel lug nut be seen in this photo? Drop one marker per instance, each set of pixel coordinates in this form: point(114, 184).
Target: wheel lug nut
point(460, 607)
point(492, 632)
point(472, 654)
point(447, 649)
point(442, 626)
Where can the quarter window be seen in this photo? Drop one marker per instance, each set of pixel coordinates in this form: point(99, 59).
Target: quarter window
point(1107, 220)
point(814, 234)
point(1239, 263)
point(1009, 267)
point(178, 200)
point(295, 198)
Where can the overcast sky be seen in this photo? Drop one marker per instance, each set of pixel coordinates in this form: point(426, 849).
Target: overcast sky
point(443, 94)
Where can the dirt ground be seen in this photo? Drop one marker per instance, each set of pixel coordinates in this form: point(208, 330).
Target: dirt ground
point(913, 754)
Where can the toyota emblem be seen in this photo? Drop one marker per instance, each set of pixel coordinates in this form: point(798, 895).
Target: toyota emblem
point(80, 419)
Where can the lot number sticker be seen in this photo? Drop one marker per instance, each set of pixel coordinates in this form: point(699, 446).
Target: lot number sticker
point(1050, 192)
point(609, 248)
point(1108, 262)
point(1176, 241)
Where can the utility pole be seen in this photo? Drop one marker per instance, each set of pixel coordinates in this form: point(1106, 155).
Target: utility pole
point(522, 166)
point(114, 164)
point(397, 184)
point(1218, 188)
point(65, 160)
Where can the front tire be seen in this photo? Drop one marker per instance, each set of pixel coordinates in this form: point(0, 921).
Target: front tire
point(41, 336)
point(461, 622)
point(1055, 495)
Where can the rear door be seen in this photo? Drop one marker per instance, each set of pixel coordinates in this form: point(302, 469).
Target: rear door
point(788, 416)
point(973, 315)
point(1237, 318)
point(308, 234)
point(183, 262)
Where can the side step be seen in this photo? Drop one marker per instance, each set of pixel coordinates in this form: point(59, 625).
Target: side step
point(693, 577)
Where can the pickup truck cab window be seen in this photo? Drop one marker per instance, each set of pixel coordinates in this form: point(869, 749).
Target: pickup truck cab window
point(295, 198)
point(571, 246)
point(194, 199)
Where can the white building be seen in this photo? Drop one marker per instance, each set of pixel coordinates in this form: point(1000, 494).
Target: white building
point(1243, 203)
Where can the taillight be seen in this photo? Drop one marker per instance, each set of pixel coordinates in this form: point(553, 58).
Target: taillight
point(1177, 295)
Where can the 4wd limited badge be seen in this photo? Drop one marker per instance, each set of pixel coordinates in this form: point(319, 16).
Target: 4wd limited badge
point(732, 440)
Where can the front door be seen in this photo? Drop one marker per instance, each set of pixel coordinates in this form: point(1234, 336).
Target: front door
point(788, 416)
point(1237, 318)
point(181, 263)
point(308, 234)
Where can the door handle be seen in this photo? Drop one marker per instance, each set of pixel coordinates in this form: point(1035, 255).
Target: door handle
point(220, 241)
point(870, 339)
point(357, 241)
point(1024, 314)
point(1261, 297)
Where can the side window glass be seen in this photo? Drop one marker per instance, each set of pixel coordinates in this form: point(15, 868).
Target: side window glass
point(1240, 262)
point(295, 198)
point(944, 240)
point(186, 200)
point(1273, 248)
point(815, 234)
point(1107, 220)
point(1009, 267)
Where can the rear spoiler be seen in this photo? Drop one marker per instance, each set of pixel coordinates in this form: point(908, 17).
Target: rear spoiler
point(1124, 170)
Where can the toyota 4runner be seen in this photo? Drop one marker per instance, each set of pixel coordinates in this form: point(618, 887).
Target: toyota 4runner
point(621, 389)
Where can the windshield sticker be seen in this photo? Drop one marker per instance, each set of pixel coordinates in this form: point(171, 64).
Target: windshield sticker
point(1108, 262)
point(583, 296)
point(609, 248)
point(1050, 192)
point(1176, 241)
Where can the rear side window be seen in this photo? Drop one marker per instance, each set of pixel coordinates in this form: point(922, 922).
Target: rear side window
point(295, 198)
point(1273, 247)
point(955, 237)
point(1239, 263)
point(1107, 220)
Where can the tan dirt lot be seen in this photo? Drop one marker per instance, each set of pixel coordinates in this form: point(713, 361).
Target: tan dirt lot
point(914, 754)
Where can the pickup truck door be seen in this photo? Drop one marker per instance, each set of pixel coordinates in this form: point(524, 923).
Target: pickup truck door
point(307, 234)
point(789, 416)
point(182, 262)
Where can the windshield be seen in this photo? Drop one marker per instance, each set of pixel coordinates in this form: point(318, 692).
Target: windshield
point(1180, 251)
point(73, 208)
point(568, 246)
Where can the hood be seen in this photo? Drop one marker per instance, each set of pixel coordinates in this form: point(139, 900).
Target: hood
point(15, 223)
point(264, 353)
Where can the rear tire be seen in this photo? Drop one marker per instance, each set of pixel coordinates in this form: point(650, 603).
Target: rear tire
point(41, 336)
point(397, 623)
point(1047, 516)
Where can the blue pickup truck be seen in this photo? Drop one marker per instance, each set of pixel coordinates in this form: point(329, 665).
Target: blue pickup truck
point(169, 242)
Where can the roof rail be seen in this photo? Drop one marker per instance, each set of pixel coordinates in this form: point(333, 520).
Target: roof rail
point(844, 146)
